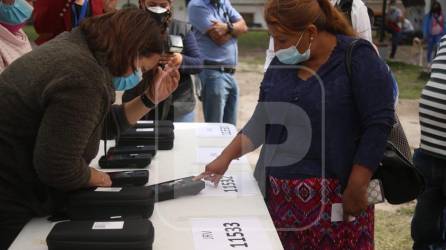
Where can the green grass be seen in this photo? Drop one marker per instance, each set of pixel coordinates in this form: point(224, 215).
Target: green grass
point(253, 41)
point(411, 79)
point(392, 229)
point(30, 32)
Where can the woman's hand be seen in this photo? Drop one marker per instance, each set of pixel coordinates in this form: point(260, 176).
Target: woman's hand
point(215, 170)
point(164, 83)
point(99, 179)
point(175, 59)
point(355, 195)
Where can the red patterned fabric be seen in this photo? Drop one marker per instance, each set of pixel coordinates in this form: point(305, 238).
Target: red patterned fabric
point(52, 17)
point(301, 211)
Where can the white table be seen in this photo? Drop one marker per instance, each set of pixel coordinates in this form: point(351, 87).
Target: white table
point(172, 219)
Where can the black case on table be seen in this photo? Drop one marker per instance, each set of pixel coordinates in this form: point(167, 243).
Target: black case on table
point(136, 234)
point(125, 202)
point(177, 188)
point(129, 178)
point(114, 161)
point(134, 149)
point(153, 124)
point(162, 138)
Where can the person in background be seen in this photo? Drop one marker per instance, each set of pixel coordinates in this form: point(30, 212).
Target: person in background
point(13, 41)
point(428, 223)
point(395, 19)
point(216, 26)
point(59, 105)
point(433, 28)
point(407, 31)
point(180, 106)
point(315, 171)
point(359, 17)
point(52, 17)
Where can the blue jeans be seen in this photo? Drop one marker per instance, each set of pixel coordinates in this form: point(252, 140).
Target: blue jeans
point(396, 39)
point(432, 44)
point(428, 223)
point(220, 95)
point(189, 117)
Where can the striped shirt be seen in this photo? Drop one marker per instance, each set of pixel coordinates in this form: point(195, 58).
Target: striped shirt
point(433, 106)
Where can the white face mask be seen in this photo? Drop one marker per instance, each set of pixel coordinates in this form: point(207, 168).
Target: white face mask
point(292, 56)
point(157, 9)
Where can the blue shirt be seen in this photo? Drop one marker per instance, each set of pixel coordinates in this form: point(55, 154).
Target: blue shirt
point(201, 15)
point(358, 115)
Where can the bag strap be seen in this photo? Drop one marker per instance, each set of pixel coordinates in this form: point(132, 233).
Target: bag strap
point(348, 58)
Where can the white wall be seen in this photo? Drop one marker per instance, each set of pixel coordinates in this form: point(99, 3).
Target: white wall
point(179, 10)
point(256, 9)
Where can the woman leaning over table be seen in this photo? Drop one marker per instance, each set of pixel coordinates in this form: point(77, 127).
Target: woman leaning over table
point(312, 36)
point(55, 115)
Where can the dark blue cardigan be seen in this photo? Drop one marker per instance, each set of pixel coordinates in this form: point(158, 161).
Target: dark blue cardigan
point(358, 116)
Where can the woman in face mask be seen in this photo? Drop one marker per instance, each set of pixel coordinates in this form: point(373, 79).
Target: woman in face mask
point(433, 28)
point(56, 113)
point(13, 41)
point(323, 131)
point(180, 106)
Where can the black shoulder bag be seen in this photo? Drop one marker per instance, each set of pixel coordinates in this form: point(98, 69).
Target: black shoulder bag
point(402, 182)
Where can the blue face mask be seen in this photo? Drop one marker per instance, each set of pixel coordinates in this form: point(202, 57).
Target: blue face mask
point(123, 83)
point(292, 56)
point(17, 13)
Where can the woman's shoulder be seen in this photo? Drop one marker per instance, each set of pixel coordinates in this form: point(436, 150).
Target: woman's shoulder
point(69, 52)
point(345, 42)
point(359, 48)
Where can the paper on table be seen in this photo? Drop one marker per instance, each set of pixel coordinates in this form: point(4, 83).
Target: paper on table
point(206, 155)
point(108, 189)
point(108, 225)
point(146, 122)
point(235, 185)
point(229, 233)
point(215, 130)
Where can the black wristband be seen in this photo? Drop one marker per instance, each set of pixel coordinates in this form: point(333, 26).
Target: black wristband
point(230, 28)
point(147, 102)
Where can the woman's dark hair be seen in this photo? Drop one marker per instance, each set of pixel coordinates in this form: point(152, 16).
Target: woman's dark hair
point(124, 36)
point(295, 15)
point(435, 7)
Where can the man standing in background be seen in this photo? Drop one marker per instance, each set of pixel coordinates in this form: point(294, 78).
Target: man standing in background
point(52, 17)
point(216, 26)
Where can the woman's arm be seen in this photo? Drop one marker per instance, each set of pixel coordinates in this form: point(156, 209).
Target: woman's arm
point(215, 170)
point(192, 60)
point(250, 138)
point(121, 117)
point(373, 93)
point(164, 84)
point(73, 109)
